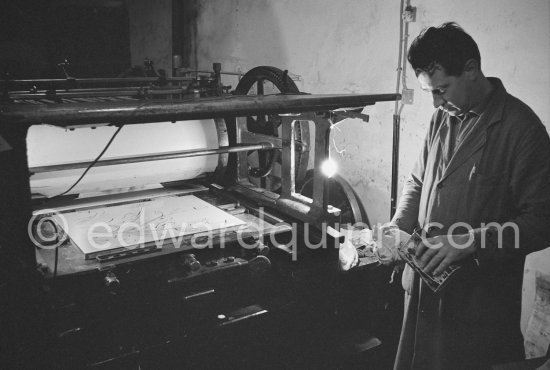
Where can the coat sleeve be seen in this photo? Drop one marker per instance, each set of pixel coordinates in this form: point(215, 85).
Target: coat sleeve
point(406, 215)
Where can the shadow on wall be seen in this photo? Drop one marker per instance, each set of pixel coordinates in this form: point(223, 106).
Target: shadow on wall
point(247, 35)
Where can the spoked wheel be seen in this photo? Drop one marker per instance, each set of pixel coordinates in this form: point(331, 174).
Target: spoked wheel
point(341, 196)
point(265, 166)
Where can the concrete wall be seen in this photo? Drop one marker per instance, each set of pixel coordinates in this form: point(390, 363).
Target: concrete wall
point(352, 47)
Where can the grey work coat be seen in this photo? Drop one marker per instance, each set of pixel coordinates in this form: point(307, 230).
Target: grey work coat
point(499, 173)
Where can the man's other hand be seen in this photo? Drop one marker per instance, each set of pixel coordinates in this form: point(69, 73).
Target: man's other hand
point(437, 253)
point(348, 255)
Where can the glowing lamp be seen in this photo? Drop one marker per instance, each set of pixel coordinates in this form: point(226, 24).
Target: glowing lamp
point(329, 168)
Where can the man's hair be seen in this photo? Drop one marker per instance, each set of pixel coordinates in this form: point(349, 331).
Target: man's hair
point(447, 45)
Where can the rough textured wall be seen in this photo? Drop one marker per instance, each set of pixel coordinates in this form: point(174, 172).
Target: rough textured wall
point(151, 32)
point(352, 47)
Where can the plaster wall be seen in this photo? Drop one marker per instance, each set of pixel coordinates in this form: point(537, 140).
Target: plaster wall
point(352, 47)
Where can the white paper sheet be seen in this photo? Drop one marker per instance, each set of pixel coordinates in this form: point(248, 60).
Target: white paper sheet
point(139, 224)
point(537, 333)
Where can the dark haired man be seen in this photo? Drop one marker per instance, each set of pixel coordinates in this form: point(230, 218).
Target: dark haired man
point(482, 180)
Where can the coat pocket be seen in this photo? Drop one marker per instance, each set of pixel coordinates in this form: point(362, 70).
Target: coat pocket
point(490, 178)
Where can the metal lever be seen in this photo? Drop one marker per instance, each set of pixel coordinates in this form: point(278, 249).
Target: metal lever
point(71, 81)
point(63, 65)
point(244, 313)
point(199, 294)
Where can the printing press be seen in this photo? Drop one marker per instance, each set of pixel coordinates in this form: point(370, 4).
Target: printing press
point(154, 221)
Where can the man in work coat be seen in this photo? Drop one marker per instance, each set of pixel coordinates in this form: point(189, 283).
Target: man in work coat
point(483, 176)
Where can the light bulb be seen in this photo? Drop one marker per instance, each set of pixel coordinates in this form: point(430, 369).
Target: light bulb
point(329, 168)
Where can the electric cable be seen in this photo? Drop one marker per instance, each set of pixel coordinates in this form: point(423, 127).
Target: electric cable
point(400, 57)
point(91, 164)
point(405, 41)
point(401, 78)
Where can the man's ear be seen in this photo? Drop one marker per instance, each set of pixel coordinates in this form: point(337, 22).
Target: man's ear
point(471, 68)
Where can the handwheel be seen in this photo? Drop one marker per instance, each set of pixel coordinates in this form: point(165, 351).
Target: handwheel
point(264, 166)
point(341, 196)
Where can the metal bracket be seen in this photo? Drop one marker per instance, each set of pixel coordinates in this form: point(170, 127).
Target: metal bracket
point(339, 115)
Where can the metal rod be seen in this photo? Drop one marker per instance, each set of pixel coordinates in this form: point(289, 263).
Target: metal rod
point(184, 70)
point(322, 151)
point(90, 89)
point(130, 112)
point(395, 164)
point(153, 157)
point(137, 91)
point(99, 80)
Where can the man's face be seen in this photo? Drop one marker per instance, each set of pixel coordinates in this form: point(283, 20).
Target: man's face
point(450, 93)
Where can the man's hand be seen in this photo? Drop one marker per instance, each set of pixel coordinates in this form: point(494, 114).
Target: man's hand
point(348, 253)
point(437, 253)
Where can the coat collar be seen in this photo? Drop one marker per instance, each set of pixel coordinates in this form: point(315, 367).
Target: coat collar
point(476, 139)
